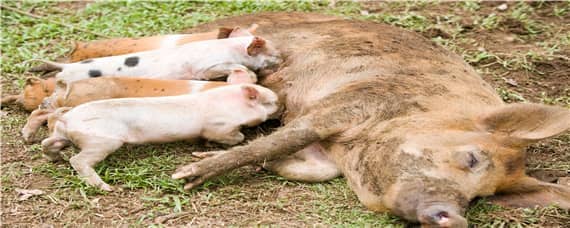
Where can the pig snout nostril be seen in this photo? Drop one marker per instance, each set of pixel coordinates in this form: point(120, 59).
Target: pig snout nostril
point(441, 217)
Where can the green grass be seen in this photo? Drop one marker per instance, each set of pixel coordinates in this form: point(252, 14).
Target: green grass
point(146, 169)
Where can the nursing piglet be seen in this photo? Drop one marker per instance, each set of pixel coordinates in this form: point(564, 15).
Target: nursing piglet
point(34, 92)
point(199, 60)
point(121, 46)
point(93, 89)
point(99, 128)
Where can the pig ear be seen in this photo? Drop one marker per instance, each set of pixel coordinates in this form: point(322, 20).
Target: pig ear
point(224, 32)
point(530, 192)
point(256, 47)
point(527, 123)
point(249, 92)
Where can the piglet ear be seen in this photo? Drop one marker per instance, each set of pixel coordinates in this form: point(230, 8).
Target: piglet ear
point(256, 46)
point(252, 28)
point(237, 32)
point(32, 81)
point(241, 76)
point(224, 32)
point(250, 92)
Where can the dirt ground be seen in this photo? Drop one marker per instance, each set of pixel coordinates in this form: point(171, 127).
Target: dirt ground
point(522, 51)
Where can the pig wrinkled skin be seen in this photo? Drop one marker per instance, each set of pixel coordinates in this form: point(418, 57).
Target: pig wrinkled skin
point(188, 61)
point(411, 126)
point(93, 89)
point(99, 128)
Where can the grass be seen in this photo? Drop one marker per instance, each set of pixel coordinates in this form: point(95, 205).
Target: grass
point(246, 197)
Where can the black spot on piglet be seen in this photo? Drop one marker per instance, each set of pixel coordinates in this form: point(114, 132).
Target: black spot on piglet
point(132, 61)
point(95, 73)
point(87, 61)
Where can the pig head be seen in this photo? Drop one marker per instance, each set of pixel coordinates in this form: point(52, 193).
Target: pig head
point(34, 92)
point(412, 127)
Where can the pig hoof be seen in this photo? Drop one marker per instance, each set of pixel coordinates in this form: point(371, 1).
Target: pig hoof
point(27, 137)
point(205, 154)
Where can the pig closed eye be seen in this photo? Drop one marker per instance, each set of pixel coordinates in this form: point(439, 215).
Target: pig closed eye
point(472, 160)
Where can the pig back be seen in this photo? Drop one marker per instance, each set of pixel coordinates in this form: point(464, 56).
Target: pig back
point(326, 55)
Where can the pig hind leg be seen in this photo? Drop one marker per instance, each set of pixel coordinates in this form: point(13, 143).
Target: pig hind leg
point(92, 152)
point(36, 119)
point(309, 165)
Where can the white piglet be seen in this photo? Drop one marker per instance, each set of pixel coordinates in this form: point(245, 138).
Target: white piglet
point(198, 60)
point(99, 128)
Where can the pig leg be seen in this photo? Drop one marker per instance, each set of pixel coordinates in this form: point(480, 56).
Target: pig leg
point(92, 152)
point(221, 70)
point(10, 99)
point(36, 119)
point(52, 147)
point(308, 165)
point(290, 138)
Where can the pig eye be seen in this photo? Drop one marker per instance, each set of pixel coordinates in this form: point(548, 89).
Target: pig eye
point(472, 160)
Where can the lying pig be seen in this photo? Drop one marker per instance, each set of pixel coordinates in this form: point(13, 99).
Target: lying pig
point(93, 89)
point(412, 127)
point(199, 60)
point(35, 90)
point(121, 46)
point(99, 128)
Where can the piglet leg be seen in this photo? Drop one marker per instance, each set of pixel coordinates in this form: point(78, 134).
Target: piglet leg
point(221, 70)
point(231, 138)
point(36, 119)
point(10, 99)
point(92, 153)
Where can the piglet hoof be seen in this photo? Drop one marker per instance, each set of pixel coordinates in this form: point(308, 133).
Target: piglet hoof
point(106, 187)
point(28, 137)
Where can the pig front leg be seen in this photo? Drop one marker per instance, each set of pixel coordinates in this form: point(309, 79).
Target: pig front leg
point(289, 139)
point(36, 119)
point(311, 164)
point(93, 151)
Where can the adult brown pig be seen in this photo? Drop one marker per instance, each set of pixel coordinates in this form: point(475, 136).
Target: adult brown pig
point(411, 126)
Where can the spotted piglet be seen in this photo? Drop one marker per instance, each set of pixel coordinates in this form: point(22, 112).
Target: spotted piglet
point(101, 127)
point(199, 60)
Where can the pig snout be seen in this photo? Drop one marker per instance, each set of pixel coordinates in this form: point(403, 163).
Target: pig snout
point(433, 202)
point(441, 215)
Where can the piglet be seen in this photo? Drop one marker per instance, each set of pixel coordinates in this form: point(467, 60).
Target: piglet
point(35, 90)
point(99, 128)
point(121, 46)
point(199, 60)
point(93, 89)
